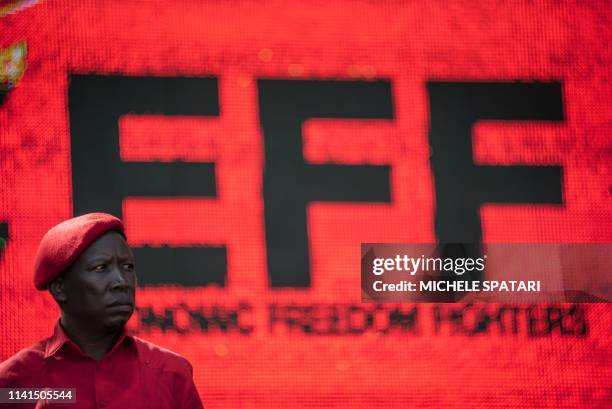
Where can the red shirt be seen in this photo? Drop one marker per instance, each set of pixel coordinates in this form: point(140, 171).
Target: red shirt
point(135, 374)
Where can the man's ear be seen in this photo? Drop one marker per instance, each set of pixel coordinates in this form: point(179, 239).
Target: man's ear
point(56, 288)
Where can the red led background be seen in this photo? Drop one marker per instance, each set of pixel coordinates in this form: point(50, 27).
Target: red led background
point(239, 42)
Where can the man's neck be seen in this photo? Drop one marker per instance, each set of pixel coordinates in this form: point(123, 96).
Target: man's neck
point(94, 342)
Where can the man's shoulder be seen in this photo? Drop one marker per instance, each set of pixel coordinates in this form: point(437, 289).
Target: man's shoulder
point(24, 363)
point(161, 358)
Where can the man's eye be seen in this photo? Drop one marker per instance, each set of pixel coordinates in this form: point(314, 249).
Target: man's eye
point(129, 266)
point(99, 267)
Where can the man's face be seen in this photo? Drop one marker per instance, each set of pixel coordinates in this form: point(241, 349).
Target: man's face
point(100, 285)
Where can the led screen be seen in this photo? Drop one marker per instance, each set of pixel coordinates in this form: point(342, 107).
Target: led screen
point(251, 147)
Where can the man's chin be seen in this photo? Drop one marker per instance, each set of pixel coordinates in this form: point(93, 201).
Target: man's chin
point(117, 321)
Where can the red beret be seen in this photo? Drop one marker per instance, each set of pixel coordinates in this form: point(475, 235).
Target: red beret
point(64, 243)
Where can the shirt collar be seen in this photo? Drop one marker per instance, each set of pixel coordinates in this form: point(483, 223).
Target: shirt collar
point(60, 338)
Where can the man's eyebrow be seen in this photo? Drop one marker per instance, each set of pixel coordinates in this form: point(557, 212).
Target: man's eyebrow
point(98, 257)
point(126, 257)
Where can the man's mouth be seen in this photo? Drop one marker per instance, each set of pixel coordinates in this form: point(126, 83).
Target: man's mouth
point(121, 305)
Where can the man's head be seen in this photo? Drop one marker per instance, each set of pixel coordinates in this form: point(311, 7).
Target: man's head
point(88, 267)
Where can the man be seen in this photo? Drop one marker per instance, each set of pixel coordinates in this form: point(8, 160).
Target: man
point(88, 267)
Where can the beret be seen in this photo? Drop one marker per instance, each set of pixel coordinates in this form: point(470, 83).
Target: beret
point(65, 242)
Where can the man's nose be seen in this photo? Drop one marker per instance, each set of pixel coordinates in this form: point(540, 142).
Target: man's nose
point(121, 281)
